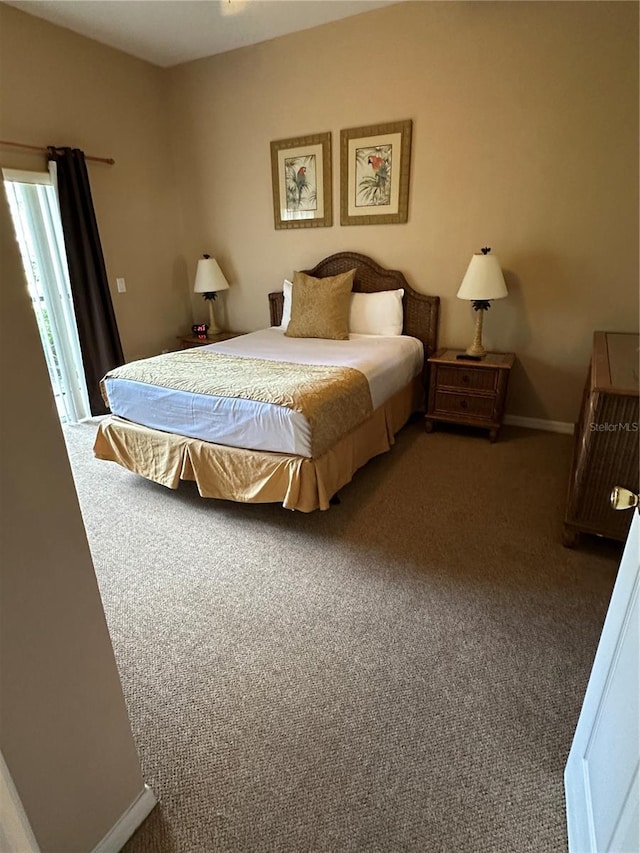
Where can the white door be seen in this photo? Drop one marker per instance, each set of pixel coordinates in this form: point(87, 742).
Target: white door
point(36, 218)
point(601, 776)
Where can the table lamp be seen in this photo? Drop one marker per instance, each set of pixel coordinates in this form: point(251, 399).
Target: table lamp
point(482, 282)
point(210, 281)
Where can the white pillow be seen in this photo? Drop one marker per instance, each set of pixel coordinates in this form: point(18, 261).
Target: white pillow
point(286, 309)
point(376, 313)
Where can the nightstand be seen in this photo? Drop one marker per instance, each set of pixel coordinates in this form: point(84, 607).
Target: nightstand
point(468, 392)
point(189, 341)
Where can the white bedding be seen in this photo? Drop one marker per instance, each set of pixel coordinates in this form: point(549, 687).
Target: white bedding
point(389, 363)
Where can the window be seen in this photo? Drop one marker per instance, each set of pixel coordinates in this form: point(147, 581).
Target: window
point(36, 218)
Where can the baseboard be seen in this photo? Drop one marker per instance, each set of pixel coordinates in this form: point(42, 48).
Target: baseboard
point(122, 831)
point(539, 423)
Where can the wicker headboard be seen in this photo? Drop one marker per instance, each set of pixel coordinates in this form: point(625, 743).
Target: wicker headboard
point(420, 311)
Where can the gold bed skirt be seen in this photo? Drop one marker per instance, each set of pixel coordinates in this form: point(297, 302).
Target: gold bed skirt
point(255, 476)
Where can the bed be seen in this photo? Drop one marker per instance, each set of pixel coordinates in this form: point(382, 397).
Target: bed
point(334, 404)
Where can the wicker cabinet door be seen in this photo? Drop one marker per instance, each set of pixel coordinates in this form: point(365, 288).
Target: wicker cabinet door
point(605, 449)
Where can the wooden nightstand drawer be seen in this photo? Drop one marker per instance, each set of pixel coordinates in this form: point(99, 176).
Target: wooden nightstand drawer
point(467, 405)
point(473, 378)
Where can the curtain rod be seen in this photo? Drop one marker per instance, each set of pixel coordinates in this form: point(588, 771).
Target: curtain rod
point(108, 160)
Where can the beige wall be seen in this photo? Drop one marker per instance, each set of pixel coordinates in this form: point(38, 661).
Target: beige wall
point(65, 731)
point(525, 119)
point(59, 88)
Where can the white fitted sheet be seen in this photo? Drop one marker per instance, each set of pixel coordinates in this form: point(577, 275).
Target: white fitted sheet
point(389, 363)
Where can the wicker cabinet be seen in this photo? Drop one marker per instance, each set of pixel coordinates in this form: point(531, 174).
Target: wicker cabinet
point(605, 449)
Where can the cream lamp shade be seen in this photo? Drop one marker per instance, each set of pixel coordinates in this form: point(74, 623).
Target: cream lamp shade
point(482, 282)
point(209, 276)
point(483, 279)
point(210, 281)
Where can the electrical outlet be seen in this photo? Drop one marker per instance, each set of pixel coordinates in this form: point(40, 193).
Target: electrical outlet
point(120, 284)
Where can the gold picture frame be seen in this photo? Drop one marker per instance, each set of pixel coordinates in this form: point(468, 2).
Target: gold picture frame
point(301, 179)
point(375, 163)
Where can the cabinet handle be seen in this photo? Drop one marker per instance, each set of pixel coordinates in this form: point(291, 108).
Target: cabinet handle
point(622, 498)
point(465, 378)
point(463, 404)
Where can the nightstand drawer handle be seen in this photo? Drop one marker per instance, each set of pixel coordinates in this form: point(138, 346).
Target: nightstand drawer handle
point(463, 404)
point(465, 378)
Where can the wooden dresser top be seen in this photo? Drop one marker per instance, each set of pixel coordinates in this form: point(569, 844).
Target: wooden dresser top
point(616, 358)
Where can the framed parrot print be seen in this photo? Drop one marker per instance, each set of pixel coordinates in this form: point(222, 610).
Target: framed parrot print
point(374, 174)
point(301, 177)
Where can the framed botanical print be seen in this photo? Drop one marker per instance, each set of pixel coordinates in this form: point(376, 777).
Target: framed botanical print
point(374, 174)
point(301, 177)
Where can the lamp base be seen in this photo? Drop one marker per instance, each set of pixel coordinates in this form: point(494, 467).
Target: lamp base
point(475, 352)
point(476, 349)
point(213, 329)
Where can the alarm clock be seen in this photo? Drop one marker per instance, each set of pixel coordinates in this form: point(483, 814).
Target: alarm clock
point(199, 330)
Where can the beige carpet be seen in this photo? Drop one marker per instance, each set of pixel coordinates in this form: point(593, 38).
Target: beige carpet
point(401, 673)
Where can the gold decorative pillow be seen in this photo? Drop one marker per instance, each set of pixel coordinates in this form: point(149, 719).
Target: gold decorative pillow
point(320, 306)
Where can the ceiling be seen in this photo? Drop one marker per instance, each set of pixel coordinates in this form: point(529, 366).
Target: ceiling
point(168, 32)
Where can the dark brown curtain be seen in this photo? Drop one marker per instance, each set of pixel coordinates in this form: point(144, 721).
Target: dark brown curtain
point(95, 317)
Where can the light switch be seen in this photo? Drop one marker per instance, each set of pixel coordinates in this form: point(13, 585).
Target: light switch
point(122, 287)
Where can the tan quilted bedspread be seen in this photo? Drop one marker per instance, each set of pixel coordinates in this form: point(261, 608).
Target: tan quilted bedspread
point(334, 400)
